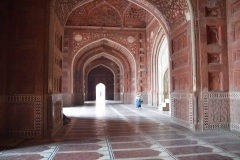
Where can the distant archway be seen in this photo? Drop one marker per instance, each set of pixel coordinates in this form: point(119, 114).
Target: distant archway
point(96, 76)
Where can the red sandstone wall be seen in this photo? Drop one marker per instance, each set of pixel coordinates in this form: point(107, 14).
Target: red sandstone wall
point(54, 99)
point(110, 46)
point(181, 76)
point(212, 60)
point(3, 55)
point(233, 24)
point(25, 61)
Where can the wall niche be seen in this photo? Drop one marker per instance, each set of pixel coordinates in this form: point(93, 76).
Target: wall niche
point(212, 35)
point(214, 57)
point(213, 12)
point(215, 81)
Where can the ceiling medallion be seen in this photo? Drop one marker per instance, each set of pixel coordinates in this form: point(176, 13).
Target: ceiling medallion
point(78, 37)
point(130, 39)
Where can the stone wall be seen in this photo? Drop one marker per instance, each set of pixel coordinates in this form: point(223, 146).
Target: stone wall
point(233, 32)
point(24, 68)
point(212, 60)
point(3, 61)
point(181, 76)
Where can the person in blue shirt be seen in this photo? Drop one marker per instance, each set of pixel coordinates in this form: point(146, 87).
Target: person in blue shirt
point(138, 101)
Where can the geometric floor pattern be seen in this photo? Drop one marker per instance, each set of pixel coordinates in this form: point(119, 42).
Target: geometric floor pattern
point(122, 132)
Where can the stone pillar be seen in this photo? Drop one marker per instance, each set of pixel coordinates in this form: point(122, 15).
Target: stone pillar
point(212, 59)
point(233, 32)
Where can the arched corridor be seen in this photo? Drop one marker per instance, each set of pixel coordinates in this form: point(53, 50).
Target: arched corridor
point(181, 56)
point(120, 131)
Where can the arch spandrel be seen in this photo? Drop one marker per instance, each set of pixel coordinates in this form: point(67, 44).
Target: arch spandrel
point(90, 36)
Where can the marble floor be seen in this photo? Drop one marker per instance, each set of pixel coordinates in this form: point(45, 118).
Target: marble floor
point(120, 131)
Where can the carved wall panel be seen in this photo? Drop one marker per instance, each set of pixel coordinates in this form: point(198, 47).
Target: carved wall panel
point(180, 42)
point(27, 123)
point(182, 109)
point(236, 26)
point(216, 110)
point(180, 62)
point(57, 112)
point(212, 35)
point(214, 58)
point(181, 83)
point(213, 12)
point(215, 81)
point(57, 83)
point(54, 114)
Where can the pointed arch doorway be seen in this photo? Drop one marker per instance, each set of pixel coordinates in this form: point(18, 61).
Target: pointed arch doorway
point(100, 75)
point(100, 92)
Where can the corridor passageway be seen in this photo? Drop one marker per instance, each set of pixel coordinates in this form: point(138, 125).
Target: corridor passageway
point(120, 131)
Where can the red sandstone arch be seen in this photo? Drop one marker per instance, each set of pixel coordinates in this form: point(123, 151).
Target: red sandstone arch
point(109, 49)
point(119, 76)
point(63, 10)
point(109, 82)
point(154, 68)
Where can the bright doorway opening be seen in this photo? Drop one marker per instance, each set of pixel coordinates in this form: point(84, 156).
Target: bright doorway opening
point(100, 92)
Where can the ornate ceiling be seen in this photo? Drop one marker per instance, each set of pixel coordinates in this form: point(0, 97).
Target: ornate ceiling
point(109, 13)
point(119, 13)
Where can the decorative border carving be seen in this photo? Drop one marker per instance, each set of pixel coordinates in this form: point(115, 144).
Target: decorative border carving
point(37, 100)
point(51, 45)
point(235, 126)
point(188, 124)
point(207, 97)
point(89, 37)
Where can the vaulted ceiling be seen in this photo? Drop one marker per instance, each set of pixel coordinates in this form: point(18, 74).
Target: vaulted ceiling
point(109, 14)
point(120, 13)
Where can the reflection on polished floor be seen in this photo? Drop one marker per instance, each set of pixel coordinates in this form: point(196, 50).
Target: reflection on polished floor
point(120, 131)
